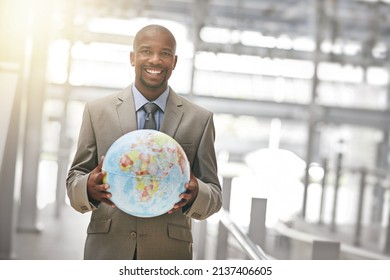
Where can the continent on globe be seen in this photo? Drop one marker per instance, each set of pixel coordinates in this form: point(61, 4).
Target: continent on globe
point(147, 171)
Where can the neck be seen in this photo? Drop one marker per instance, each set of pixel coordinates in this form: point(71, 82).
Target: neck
point(150, 93)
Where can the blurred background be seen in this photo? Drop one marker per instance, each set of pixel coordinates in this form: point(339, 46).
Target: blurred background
point(301, 95)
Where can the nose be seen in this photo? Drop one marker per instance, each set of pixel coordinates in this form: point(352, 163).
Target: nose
point(155, 58)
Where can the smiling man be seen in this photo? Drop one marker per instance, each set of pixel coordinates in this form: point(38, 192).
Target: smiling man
point(153, 60)
point(113, 234)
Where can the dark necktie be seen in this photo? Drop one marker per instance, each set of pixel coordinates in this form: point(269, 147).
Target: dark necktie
point(150, 122)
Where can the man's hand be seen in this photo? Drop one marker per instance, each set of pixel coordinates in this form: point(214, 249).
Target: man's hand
point(96, 189)
point(189, 196)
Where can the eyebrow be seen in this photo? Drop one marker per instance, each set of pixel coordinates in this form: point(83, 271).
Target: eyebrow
point(149, 47)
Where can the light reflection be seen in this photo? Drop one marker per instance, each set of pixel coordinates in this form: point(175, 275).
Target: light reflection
point(276, 172)
point(111, 53)
point(57, 71)
point(316, 171)
point(47, 181)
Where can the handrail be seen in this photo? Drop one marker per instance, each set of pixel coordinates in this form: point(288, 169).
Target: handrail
point(254, 251)
point(374, 173)
point(310, 238)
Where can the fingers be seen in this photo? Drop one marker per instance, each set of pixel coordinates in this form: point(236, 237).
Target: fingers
point(99, 177)
point(101, 188)
point(101, 193)
point(184, 198)
point(188, 196)
point(178, 206)
point(97, 189)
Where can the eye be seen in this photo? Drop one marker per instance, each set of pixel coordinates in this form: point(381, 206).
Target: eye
point(166, 54)
point(145, 52)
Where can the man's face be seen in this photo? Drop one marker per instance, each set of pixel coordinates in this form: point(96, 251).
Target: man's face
point(154, 60)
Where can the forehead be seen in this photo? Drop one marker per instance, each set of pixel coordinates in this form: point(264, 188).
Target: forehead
point(154, 37)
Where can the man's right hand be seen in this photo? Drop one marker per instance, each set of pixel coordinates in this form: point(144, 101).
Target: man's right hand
point(96, 189)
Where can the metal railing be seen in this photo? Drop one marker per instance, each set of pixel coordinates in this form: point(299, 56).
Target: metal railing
point(345, 249)
point(252, 242)
point(373, 178)
point(252, 250)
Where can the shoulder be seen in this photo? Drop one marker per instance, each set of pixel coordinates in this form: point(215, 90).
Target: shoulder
point(189, 105)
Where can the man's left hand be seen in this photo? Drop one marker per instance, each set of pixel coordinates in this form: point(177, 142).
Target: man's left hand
point(189, 196)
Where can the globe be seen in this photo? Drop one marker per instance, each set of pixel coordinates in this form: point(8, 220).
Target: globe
point(147, 171)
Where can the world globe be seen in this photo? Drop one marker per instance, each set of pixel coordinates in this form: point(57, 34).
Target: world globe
point(147, 171)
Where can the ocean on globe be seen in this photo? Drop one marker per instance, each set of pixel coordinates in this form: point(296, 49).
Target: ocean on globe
point(147, 171)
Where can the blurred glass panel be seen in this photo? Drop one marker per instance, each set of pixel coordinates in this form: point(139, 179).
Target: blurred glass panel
point(94, 73)
point(99, 64)
point(74, 117)
point(257, 87)
point(234, 63)
point(180, 80)
point(216, 35)
point(352, 95)
point(52, 112)
point(359, 147)
point(58, 57)
point(47, 183)
point(377, 76)
point(254, 133)
point(328, 71)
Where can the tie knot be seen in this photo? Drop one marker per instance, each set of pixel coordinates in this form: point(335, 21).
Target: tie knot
point(150, 107)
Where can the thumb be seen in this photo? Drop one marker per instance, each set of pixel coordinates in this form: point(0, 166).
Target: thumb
point(99, 167)
point(192, 176)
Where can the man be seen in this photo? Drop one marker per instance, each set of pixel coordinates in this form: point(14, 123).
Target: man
point(113, 234)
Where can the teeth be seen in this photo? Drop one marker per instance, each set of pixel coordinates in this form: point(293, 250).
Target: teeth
point(153, 71)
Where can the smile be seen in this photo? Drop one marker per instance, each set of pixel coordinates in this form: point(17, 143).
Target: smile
point(153, 72)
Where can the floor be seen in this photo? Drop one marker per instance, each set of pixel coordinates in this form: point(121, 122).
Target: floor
point(63, 239)
point(60, 238)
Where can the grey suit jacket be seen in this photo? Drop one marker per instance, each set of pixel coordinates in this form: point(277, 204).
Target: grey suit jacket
point(113, 234)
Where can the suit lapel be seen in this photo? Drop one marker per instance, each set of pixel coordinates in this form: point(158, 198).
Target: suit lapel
point(128, 119)
point(172, 115)
point(126, 111)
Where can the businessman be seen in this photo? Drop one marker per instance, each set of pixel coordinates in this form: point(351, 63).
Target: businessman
point(111, 233)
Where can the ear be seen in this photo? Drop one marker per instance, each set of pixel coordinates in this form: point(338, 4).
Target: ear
point(174, 63)
point(132, 60)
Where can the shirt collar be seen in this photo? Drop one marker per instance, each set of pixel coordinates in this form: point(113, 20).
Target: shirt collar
point(140, 100)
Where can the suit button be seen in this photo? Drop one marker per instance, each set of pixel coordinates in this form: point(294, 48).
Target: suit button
point(133, 234)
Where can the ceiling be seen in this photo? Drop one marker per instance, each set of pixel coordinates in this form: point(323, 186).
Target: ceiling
point(338, 22)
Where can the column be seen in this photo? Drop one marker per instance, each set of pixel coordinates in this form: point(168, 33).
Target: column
point(35, 100)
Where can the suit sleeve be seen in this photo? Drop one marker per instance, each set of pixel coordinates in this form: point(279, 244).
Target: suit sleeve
point(209, 199)
point(84, 162)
